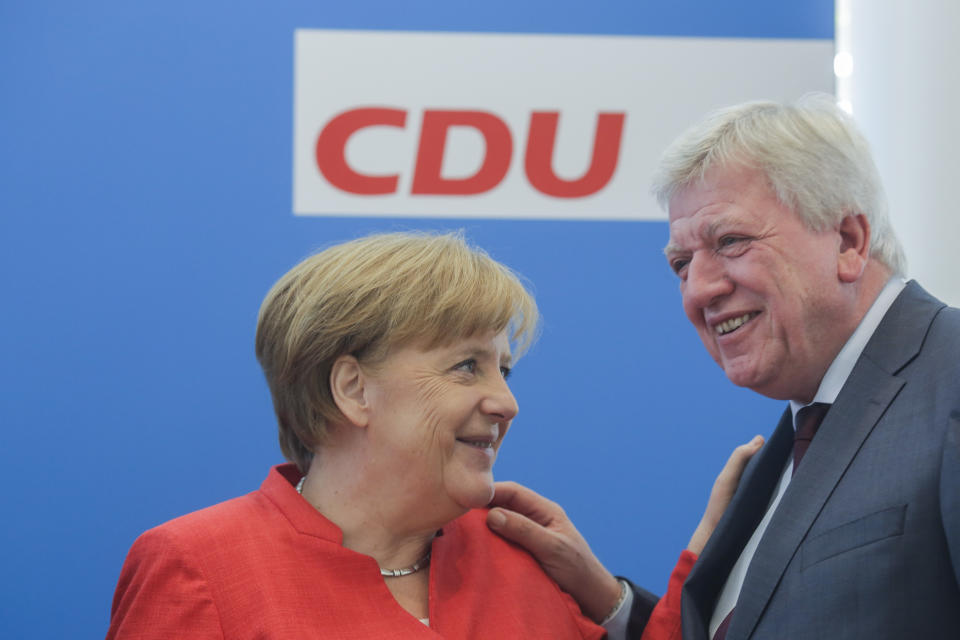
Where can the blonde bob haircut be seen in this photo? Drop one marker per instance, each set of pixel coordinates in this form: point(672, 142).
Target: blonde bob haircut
point(365, 297)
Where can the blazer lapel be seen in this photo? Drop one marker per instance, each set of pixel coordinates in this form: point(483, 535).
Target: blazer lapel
point(746, 509)
point(866, 395)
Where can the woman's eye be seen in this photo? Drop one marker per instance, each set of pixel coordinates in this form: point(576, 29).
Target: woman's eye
point(505, 372)
point(469, 365)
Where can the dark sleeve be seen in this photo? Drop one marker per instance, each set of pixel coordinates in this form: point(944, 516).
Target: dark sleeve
point(643, 605)
point(653, 618)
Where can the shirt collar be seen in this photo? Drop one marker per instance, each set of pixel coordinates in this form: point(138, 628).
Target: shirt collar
point(836, 376)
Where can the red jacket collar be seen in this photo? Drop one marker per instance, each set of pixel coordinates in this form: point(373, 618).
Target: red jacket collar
point(280, 487)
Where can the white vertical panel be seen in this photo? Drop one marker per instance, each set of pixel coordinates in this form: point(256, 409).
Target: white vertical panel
point(905, 94)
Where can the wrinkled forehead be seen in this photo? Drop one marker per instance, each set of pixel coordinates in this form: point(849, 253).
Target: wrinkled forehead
point(722, 201)
point(486, 341)
point(703, 223)
point(690, 231)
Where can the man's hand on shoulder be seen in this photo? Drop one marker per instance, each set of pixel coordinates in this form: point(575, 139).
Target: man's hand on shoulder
point(543, 528)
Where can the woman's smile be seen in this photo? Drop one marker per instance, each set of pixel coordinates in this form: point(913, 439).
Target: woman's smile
point(440, 414)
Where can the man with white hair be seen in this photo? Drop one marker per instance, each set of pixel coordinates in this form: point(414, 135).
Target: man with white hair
point(792, 276)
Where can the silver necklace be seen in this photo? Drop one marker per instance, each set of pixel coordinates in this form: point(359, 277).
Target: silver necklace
point(390, 573)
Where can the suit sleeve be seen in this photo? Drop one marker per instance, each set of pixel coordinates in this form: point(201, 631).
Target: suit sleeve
point(664, 622)
point(162, 594)
point(640, 611)
point(950, 490)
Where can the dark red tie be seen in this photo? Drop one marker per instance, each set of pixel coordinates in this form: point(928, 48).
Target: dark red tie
point(722, 629)
point(808, 421)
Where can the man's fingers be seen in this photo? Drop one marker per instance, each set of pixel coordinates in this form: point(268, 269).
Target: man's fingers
point(520, 529)
point(526, 502)
point(510, 494)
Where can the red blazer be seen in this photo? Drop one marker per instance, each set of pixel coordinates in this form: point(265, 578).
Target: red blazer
point(268, 565)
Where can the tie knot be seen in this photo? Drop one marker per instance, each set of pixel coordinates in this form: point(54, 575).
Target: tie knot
point(808, 421)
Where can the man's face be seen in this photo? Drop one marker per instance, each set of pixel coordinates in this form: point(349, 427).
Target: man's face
point(761, 289)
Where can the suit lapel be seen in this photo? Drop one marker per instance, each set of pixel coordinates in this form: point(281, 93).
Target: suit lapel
point(846, 426)
point(746, 509)
point(901, 333)
point(866, 395)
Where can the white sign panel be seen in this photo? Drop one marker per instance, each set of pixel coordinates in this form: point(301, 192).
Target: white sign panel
point(514, 126)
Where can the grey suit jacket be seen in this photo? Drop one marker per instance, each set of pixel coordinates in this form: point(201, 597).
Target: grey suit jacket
point(866, 540)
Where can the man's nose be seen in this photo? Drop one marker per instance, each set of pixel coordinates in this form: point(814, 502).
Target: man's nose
point(706, 280)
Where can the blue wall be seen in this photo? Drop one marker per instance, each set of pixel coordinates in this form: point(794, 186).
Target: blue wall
point(145, 209)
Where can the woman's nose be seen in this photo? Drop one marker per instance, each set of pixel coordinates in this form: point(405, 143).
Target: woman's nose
point(499, 401)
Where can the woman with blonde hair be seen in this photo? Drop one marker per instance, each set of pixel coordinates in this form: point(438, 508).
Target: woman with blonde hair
point(387, 358)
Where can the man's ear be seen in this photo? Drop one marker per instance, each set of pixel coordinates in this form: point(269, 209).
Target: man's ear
point(348, 387)
point(854, 248)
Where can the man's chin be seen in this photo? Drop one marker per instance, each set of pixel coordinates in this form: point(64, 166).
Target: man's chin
point(767, 386)
point(742, 375)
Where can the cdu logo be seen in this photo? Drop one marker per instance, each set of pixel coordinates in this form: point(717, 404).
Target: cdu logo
point(492, 166)
point(447, 125)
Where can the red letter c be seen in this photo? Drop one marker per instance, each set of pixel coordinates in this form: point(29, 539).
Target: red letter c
point(332, 144)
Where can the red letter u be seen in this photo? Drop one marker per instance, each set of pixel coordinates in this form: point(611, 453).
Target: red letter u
point(539, 157)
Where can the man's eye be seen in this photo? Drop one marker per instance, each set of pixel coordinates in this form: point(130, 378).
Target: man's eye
point(728, 241)
point(678, 264)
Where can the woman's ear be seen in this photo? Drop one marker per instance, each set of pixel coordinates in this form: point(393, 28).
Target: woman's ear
point(348, 386)
point(854, 249)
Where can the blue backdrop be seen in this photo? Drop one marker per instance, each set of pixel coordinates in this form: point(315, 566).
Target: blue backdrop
point(145, 209)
